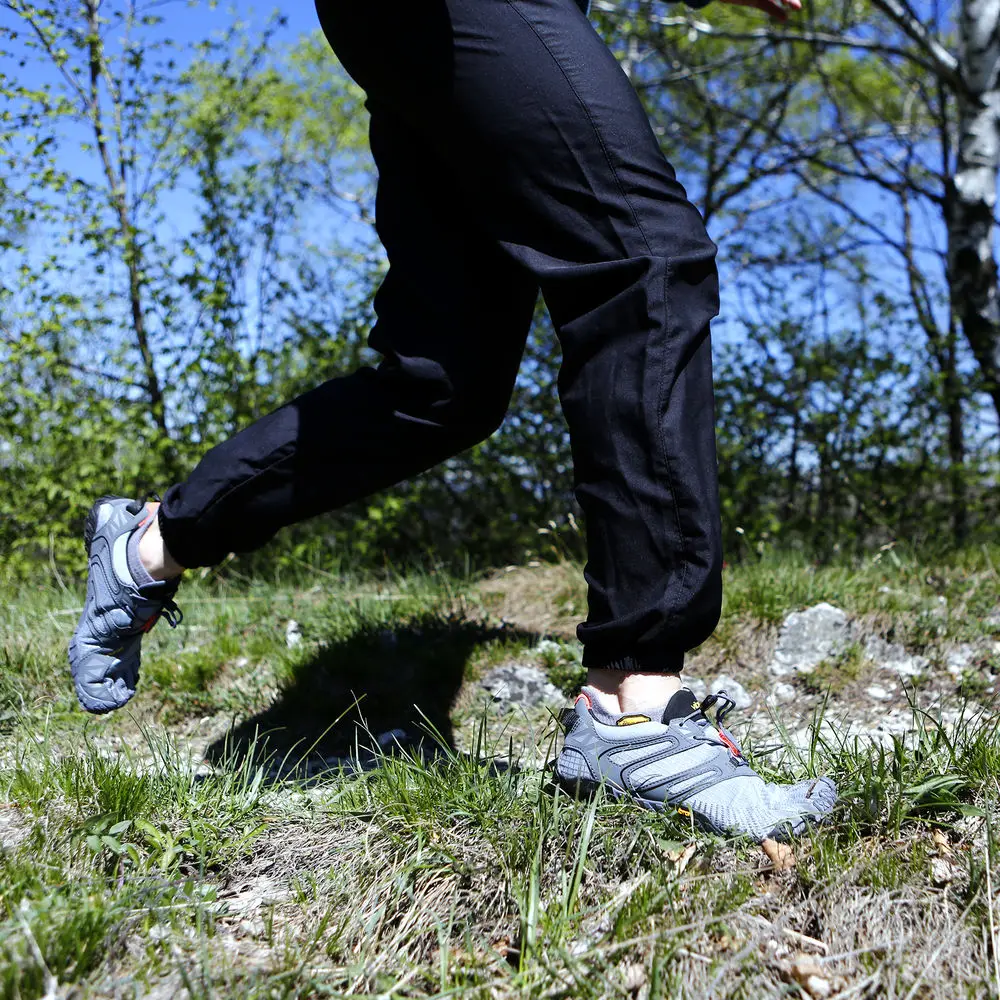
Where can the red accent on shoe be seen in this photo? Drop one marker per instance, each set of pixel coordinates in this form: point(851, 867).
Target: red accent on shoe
point(586, 698)
point(733, 748)
point(152, 621)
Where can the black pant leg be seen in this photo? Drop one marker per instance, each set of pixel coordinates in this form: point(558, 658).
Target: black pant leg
point(556, 158)
point(453, 316)
point(545, 145)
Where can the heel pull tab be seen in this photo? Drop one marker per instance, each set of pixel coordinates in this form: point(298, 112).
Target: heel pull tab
point(570, 717)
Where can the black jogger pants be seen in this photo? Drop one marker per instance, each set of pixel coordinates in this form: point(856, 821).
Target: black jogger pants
point(513, 157)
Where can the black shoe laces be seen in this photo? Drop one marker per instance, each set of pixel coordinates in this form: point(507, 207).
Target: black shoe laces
point(723, 705)
point(171, 613)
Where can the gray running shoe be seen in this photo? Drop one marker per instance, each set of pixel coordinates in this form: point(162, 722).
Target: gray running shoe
point(686, 763)
point(118, 611)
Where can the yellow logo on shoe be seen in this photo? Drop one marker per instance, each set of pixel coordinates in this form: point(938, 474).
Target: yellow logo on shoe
point(632, 720)
point(683, 811)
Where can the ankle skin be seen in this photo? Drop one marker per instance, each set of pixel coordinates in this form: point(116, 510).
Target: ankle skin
point(632, 692)
point(153, 552)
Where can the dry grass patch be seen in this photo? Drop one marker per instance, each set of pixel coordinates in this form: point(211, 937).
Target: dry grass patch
point(546, 598)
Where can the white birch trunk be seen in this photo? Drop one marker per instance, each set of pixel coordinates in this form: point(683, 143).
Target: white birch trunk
point(971, 202)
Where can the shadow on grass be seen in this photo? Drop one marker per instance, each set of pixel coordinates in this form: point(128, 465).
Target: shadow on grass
point(379, 688)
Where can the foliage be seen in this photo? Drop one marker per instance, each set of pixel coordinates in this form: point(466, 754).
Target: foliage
point(187, 241)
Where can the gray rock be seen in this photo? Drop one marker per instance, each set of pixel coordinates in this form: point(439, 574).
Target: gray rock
point(517, 684)
point(992, 620)
point(734, 689)
point(809, 637)
point(893, 657)
point(880, 651)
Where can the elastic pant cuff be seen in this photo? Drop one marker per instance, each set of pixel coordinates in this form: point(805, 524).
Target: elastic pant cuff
point(659, 663)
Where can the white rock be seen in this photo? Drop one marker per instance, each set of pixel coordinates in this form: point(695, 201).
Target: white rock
point(733, 688)
point(912, 666)
point(879, 650)
point(895, 722)
point(828, 733)
point(293, 634)
point(517, 684)
point(969, 713)
point(891, 656)
point(801, 738)
point(781, 693)
point(809, 637)
point(696, 686)
point(957, 660)
point(878, 692)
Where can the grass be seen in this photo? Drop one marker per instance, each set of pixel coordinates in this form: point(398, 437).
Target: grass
point(131, 867)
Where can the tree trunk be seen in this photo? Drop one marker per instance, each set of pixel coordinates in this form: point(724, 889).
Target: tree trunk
point(971, 197)
point(131, 247)
point(952, 392)
point(792, 483)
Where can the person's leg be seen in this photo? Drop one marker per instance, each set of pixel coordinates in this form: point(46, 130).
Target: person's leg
point(453, 316)
point(554, 150)
point(552, 147)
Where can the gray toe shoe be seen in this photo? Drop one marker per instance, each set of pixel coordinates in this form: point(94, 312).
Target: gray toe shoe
point(117, 612)
point(683, 762)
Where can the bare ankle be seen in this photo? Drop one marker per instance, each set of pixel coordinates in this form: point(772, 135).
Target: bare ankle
point(159, 564)
point(632, 692)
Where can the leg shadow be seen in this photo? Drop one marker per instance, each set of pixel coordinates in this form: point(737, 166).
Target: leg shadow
point(377, 691)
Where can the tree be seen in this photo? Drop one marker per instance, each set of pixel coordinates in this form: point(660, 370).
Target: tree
point(862, 116)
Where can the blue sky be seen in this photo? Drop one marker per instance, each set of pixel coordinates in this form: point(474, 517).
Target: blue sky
point(187, 23)
point(190, 22)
